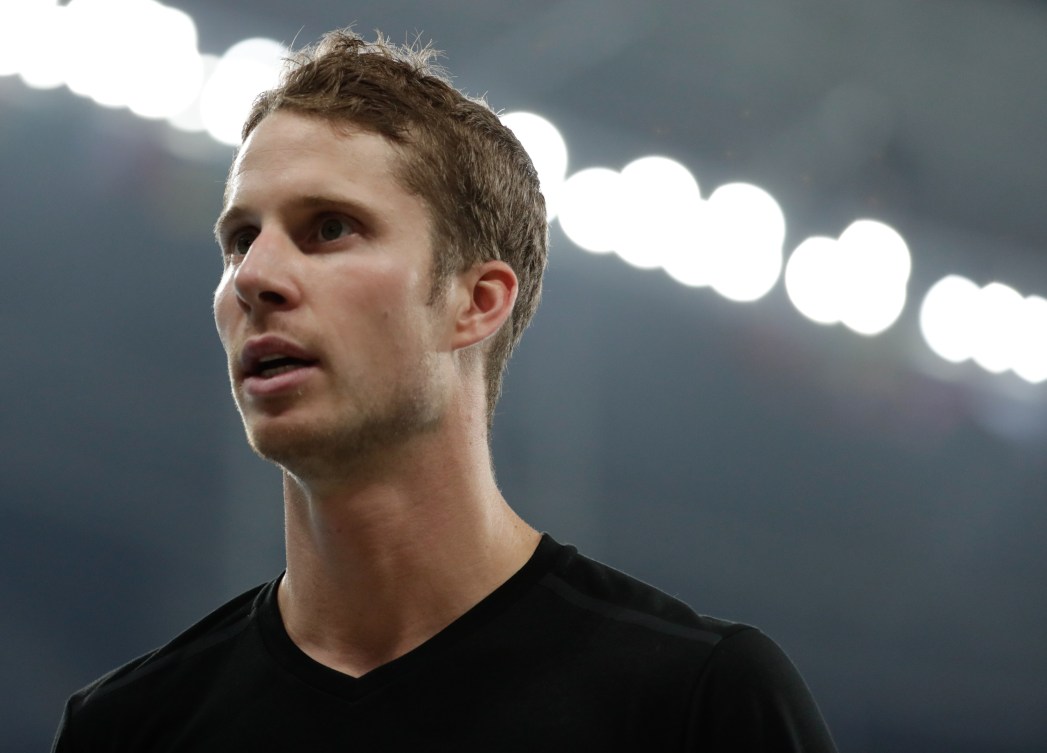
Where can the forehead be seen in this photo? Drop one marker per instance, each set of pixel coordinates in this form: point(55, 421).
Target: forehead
point(291, 152)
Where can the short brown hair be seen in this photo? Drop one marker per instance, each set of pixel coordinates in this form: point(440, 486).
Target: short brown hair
point(478, 182)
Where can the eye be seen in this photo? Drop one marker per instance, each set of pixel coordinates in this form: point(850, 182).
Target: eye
point(239, 243)
point(333, 228)
point(242, 243)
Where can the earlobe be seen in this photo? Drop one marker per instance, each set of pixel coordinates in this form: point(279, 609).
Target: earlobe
point(490, 289)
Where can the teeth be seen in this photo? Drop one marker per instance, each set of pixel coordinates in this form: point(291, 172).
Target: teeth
point(280, 370)
point(273, 364)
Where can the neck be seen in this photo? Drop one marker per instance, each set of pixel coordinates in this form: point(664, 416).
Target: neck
point(380, 562)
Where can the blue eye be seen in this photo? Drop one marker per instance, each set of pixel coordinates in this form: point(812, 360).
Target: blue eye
point(334, 228)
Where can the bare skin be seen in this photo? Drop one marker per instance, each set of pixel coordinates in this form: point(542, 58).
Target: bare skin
point(394, 524)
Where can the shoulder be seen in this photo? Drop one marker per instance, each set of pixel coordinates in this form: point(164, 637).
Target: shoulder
point(625, 631)
point(736, 688)
point(750, 696)
point(132, 686)
point(602, 590)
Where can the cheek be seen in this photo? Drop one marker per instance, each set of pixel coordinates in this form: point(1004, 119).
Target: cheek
point(386, 301)
point(224, 307)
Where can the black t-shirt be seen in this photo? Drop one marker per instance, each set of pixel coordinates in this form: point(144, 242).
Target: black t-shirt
point(567, 655)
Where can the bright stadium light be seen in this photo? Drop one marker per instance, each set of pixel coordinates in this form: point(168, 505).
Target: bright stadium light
point(998, 310)
point(860, 280)
point(660, 199)
point(547, 149)
point(947, 317)
point(246, 70)
point(872, 313)
point(190, 119)
point(879, 268)
point(138, 54)
point(1030, 357)
point(591, 209)
point(173, 75)
point(43, 20)
point(22, 24)
point(811, 280)
point(102, 29)
point(744, 229)
point(690, 262)
point(878, 249)
point(992, 325)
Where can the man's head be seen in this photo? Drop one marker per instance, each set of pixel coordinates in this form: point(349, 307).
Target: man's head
point(471, 172)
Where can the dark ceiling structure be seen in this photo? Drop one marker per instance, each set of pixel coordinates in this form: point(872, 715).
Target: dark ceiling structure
point(878, 511)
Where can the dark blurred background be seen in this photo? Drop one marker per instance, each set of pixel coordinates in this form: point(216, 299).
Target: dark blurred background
point(878, 511)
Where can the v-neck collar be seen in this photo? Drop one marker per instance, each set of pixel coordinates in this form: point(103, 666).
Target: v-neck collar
point(292, 659)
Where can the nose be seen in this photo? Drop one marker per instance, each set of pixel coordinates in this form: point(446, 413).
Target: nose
point(266, 278)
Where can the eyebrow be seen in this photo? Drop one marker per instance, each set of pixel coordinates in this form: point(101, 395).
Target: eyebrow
point(227, 217)
point(233, 214)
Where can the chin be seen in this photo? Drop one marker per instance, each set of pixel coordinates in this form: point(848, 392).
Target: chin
point(318, 447)
point(286, 439)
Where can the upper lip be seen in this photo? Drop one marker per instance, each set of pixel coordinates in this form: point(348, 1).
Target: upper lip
point(258, 348)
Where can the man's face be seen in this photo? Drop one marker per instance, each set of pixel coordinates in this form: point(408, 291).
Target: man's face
point(324, 303)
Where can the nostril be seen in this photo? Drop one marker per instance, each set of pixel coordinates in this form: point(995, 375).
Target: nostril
point(268, 296)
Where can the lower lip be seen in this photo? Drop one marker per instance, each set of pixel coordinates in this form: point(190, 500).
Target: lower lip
point(280, 384)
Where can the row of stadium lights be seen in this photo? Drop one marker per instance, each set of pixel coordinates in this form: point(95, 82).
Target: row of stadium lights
point(730, 241)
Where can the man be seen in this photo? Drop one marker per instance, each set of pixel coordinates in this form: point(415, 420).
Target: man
point(383, 241)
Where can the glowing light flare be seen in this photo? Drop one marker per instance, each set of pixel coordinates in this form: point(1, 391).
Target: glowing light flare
point(993, 325)
point(101, 71)
point(742, 232)
point(660, 201)
point(947, 317)
point(1030, 356)
point(999, 309)
point(22, 23)
point(171, 88)
point(873, 310)
point(591, 209)
point(547, 149)
point(173, 75)
point(690, 262)
point(860, 280)
point(135, 53)
point(42, 20)
point(877, 249)
point(189, 119)
point(810, 280)
point(878, 268)
point(246, 70)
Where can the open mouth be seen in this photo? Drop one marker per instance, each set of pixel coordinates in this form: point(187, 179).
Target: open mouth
point(271, 366)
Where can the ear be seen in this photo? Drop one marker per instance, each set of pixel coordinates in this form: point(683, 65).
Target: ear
point(487, 293)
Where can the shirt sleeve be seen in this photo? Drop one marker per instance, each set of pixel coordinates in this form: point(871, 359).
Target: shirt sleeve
point(750, 698)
